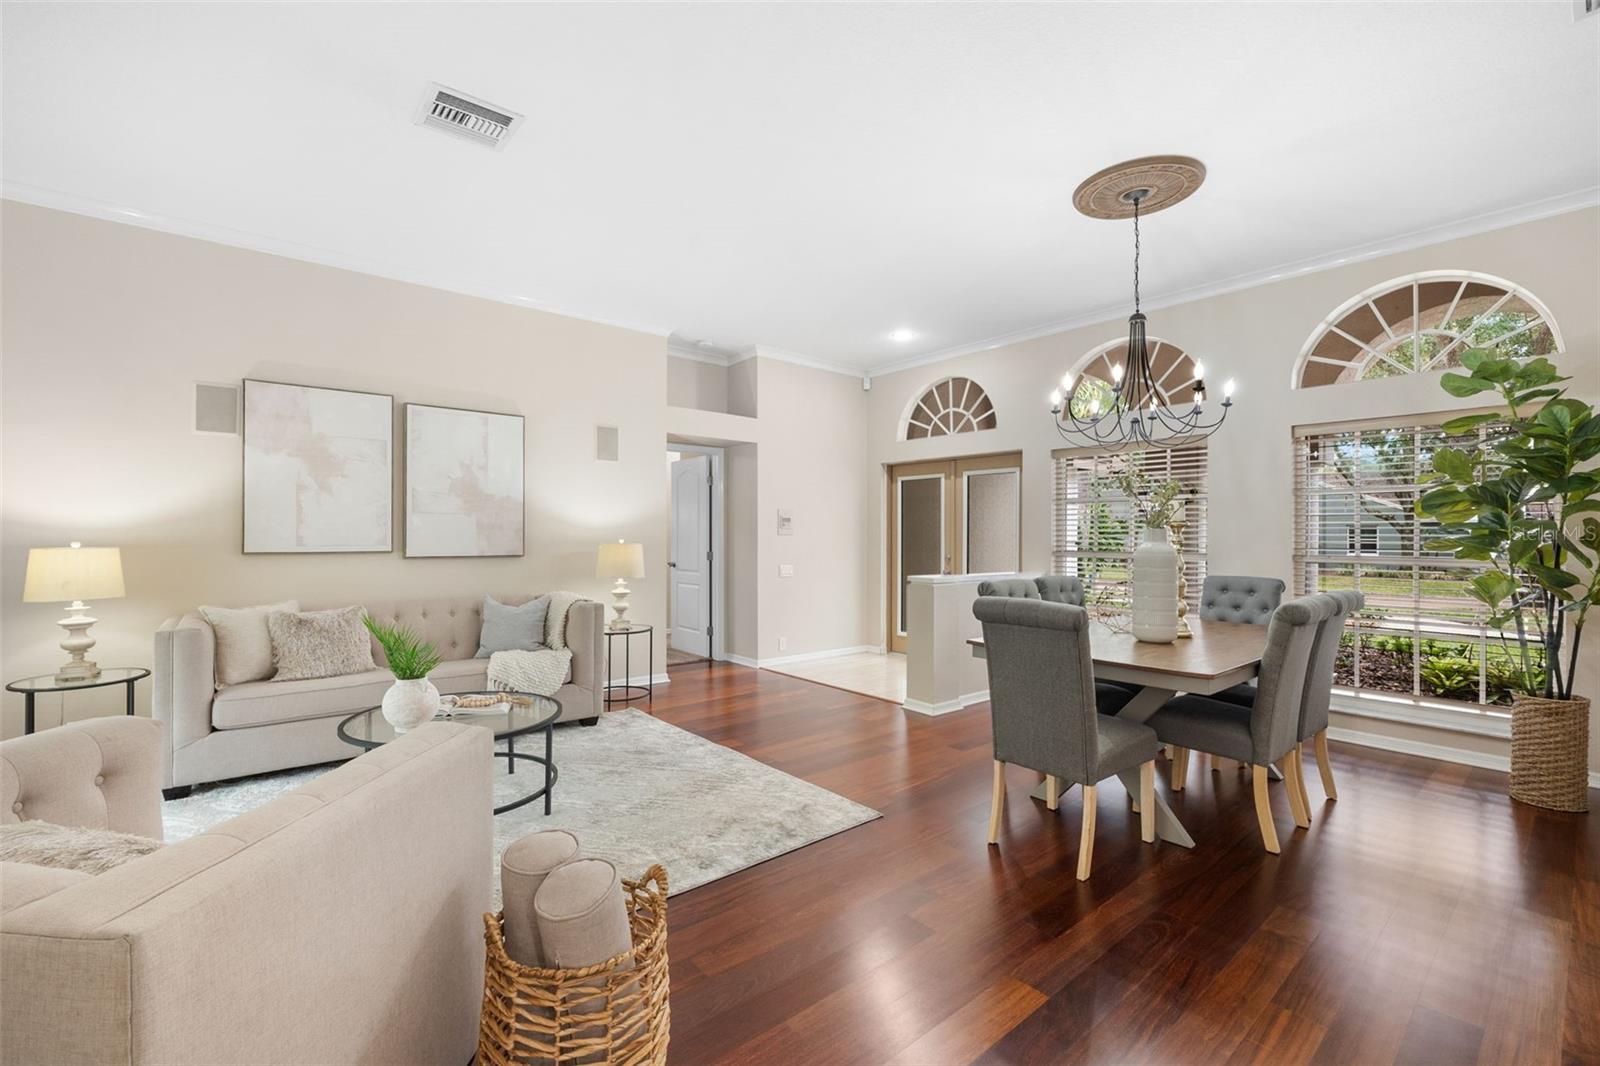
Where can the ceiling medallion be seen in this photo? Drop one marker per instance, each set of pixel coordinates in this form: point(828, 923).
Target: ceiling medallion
point(1134, 410)
point(1165, 180)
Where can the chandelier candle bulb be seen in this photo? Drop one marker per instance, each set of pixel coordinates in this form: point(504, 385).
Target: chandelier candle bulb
point(1227, 389)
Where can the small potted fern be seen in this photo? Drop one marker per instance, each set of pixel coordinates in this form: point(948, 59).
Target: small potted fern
point(412, 699)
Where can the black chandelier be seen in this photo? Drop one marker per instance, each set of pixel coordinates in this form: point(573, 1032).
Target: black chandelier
point(1136, 414)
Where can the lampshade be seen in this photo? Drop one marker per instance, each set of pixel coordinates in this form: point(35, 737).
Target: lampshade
point(620, 560)
point(61, 575)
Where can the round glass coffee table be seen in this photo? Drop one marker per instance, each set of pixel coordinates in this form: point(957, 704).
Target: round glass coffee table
point(514, 714)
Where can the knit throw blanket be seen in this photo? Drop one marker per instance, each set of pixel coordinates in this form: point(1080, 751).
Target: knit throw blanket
point(540, 672)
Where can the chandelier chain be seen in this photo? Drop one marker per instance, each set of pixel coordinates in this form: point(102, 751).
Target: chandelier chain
point(1136, 255)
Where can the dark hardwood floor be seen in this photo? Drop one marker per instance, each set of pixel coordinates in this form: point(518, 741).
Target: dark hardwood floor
point(1424, 918)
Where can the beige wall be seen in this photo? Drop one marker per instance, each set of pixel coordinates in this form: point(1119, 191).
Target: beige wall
point(697, 384)
point(813, 438)
point(1255, 335)
point(106, 327)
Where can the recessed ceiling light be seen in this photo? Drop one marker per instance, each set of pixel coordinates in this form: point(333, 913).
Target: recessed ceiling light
point(902, 335)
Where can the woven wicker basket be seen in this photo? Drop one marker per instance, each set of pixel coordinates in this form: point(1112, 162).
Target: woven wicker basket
point(615, 1012)
point(1550, 753)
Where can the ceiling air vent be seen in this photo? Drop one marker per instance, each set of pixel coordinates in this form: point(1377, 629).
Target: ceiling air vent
point(466, 116)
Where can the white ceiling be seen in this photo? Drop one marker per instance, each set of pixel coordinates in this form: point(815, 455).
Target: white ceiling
point(804, 177)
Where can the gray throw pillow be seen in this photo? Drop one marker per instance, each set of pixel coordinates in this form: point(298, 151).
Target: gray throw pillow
point(309, 644)
point(508, 628)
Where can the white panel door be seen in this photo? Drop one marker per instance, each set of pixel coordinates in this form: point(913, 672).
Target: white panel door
point(691, 555)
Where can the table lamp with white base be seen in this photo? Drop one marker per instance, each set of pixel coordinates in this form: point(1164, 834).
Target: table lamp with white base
point(71, 575)
point(621, 561)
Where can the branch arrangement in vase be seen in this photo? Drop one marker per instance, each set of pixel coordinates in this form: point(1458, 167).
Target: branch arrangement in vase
point(1524, 499)
point(1157, 503)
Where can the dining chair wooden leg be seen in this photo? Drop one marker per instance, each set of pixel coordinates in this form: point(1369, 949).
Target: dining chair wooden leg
point(1300, 779)
point(1269, 832)
point(1052, 791)
point(1180, 768)
point(1325, 767)
point(1295, 787)
point(998, 802)
point(1086, 836)
point(1147, 802)
point(1167, 750)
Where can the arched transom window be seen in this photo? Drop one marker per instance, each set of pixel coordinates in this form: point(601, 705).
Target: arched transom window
point(1424, 322)
point(954, 405)
point(1094, 377)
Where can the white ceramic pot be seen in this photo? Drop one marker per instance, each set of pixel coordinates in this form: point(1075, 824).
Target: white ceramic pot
point(1155, 589)
point(408, 704)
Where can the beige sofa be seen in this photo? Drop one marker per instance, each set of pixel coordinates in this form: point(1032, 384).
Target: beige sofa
point(215, 734)
point(341, 922)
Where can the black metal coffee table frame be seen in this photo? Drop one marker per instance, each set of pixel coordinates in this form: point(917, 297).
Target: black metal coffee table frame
point(510, 755)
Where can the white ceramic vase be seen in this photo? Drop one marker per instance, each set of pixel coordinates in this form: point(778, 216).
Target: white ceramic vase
point(408, 704)
point(1155, 589)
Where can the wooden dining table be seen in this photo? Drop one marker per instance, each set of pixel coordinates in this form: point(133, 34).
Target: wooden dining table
point(1218, 656)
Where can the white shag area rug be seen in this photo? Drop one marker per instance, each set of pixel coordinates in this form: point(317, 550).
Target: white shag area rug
point(634, 789)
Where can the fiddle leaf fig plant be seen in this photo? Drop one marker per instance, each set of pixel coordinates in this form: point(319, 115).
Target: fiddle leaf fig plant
point(1525, 499)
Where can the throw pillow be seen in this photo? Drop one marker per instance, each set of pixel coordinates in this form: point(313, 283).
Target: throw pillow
point(71, 847)
point(244, 649)
point(507, 628)
point(311, 644)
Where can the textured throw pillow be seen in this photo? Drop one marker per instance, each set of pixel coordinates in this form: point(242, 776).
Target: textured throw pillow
point(244, 649)
point(319, 643)
point(71, 847)
point(512, 628)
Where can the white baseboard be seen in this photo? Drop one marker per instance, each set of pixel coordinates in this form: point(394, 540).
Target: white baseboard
point(643, 679)
point(813, 656)
point(945, 706)
point(740, 660)
point(1442, 752)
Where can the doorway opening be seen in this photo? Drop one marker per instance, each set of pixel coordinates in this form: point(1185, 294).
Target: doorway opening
point(952, 516)
point(695, 571)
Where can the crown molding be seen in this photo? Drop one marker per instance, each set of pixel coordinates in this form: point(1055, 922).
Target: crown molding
point(712, 356)
point(255, 242)
point(1467, 227)
point(766, 352)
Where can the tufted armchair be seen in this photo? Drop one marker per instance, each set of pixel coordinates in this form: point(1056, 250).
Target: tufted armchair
point(218, 733)
point(104, 773)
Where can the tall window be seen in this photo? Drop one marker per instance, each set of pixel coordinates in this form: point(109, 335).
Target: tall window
point(1095, 530)
point(1424, 322)
point(1421, 635)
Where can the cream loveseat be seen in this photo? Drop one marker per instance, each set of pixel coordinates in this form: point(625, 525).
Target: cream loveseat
point(341, 922)
point(215, 734)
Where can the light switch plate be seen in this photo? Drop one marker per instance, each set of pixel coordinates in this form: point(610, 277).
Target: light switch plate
point(786, 570)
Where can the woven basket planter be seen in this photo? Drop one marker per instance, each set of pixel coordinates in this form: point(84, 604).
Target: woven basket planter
point(615, 1012)
point(1550, 753)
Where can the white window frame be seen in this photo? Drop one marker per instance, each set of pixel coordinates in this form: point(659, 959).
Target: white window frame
point(1391, 340)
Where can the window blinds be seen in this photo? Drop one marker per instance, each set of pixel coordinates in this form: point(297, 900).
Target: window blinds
point(1095, 530)
point(1356, 527)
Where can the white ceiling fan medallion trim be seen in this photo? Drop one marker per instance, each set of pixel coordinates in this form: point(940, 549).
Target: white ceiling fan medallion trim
point(1467, 227)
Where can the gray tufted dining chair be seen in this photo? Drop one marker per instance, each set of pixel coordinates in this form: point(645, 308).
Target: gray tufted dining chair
point(1018, 587)
point(1042, 710)
point(1229, 598)
point(1268, 730)
point(1060, 588)
point(1319, 691)
point(1232, 598)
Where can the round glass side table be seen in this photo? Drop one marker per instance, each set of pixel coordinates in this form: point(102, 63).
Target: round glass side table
point(113, 675)
point(624, 692)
